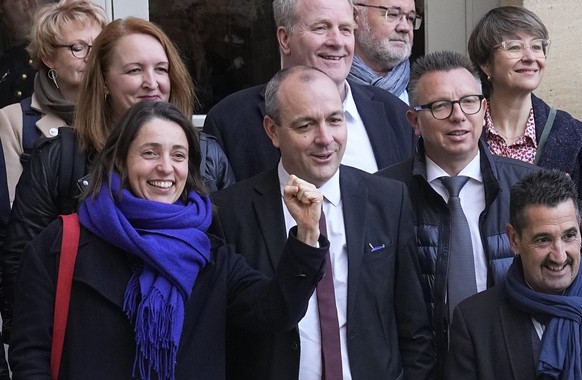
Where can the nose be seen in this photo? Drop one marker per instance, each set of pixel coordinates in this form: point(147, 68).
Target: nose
point(402, 25)
point(165, 165)
point(324, 136)
point(149, 79)
point(334, 37)
point(558, 253)
point(528, 54)
point(457, 113)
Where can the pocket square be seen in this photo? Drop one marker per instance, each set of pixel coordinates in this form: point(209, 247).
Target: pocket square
point(376, 248)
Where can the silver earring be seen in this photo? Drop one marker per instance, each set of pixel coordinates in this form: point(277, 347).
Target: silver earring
point(53, 75)
point(489, 78)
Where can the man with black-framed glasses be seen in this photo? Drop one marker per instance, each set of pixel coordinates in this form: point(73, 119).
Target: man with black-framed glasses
point(384, 43)
point(447, 112)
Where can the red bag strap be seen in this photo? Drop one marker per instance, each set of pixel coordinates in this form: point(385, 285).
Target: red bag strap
point(69, 248)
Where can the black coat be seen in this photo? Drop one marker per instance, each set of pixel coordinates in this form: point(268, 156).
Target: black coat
point(388, 333)
point(99, 341)
point(237, 124)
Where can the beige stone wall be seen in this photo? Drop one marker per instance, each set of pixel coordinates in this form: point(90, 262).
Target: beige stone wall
point(562, 84)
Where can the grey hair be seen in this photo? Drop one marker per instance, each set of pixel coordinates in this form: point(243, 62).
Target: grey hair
point(272, 102)
point(285, 13)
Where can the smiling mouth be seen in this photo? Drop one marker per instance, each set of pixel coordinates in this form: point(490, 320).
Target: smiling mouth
point(458, 133)
point(331, 57)
point(161, 184)
point(323, 156)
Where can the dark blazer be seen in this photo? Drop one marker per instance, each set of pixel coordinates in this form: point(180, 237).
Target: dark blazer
point(100, 340)
point(237, 124)
point(490, 339)
point(388, 326)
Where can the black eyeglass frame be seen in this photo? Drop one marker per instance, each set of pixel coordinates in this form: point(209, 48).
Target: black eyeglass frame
point(417, 18)
point(428, 106)
point(86, 47)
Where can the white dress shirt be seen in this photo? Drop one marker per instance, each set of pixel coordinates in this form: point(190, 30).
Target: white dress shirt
point(359, 153)
point(309, 331)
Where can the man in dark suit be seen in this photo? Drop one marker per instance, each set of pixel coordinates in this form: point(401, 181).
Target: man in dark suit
point(528, 326)
point(372, 253)
point(447, 110)
point(318, 33)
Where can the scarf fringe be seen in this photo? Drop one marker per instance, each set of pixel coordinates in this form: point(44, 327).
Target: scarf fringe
point(156, 347)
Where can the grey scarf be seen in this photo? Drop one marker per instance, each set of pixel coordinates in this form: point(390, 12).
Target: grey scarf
point(51, 97)
point(395, 81)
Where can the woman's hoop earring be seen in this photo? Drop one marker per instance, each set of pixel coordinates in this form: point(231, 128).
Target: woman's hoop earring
point(53, 75)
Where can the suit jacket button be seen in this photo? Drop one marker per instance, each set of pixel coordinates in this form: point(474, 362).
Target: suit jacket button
point(18, 94)
point(294, 346)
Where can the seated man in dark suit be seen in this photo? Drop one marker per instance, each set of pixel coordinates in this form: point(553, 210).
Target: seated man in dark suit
point(447, 108)
point(318, 33)
point(529, 326)
point(373, 266)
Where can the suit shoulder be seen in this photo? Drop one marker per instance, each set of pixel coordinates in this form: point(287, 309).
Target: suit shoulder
point(373, 181)
point(398, 171)
point(510, 165)
point(484, 302)
point(237, 99)
point(378, 94)
point(241, 191)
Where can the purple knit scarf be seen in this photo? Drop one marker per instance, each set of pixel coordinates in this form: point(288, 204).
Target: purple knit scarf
point(172, 242)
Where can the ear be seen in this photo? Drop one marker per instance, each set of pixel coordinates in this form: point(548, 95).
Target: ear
point(486, 69)
point(413, 120)
point(49, 61)
point(272, 130)
point(513, 238)
point(283, 38)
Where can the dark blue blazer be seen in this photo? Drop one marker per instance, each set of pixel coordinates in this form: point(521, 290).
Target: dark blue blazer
point(388, 327)
point(237, 124)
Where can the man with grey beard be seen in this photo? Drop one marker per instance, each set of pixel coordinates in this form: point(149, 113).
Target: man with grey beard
point(384, 43)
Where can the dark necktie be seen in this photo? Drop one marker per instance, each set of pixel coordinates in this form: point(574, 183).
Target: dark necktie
point(328, 321)
point(461, 266)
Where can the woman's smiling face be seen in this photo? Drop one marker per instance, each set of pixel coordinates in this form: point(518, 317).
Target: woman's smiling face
point(157, 162)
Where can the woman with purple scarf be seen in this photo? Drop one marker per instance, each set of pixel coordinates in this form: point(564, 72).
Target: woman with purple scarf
point(153, 292)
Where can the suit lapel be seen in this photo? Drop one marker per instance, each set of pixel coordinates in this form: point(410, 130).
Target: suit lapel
point(354, 196)
point(379, 130)
point(268, 207)
point(516, 329)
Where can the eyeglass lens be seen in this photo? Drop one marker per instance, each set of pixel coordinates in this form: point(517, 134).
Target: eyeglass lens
point(395, 14)
point(516, 48)
point(443, 109)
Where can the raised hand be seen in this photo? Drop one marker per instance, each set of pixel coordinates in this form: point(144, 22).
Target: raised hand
point(304, 203)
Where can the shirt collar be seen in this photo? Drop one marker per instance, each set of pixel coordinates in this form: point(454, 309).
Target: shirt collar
point(472, 170)
point(330, 189)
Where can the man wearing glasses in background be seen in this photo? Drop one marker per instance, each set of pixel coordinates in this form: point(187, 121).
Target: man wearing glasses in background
point(384, 44)
point(460, 227)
